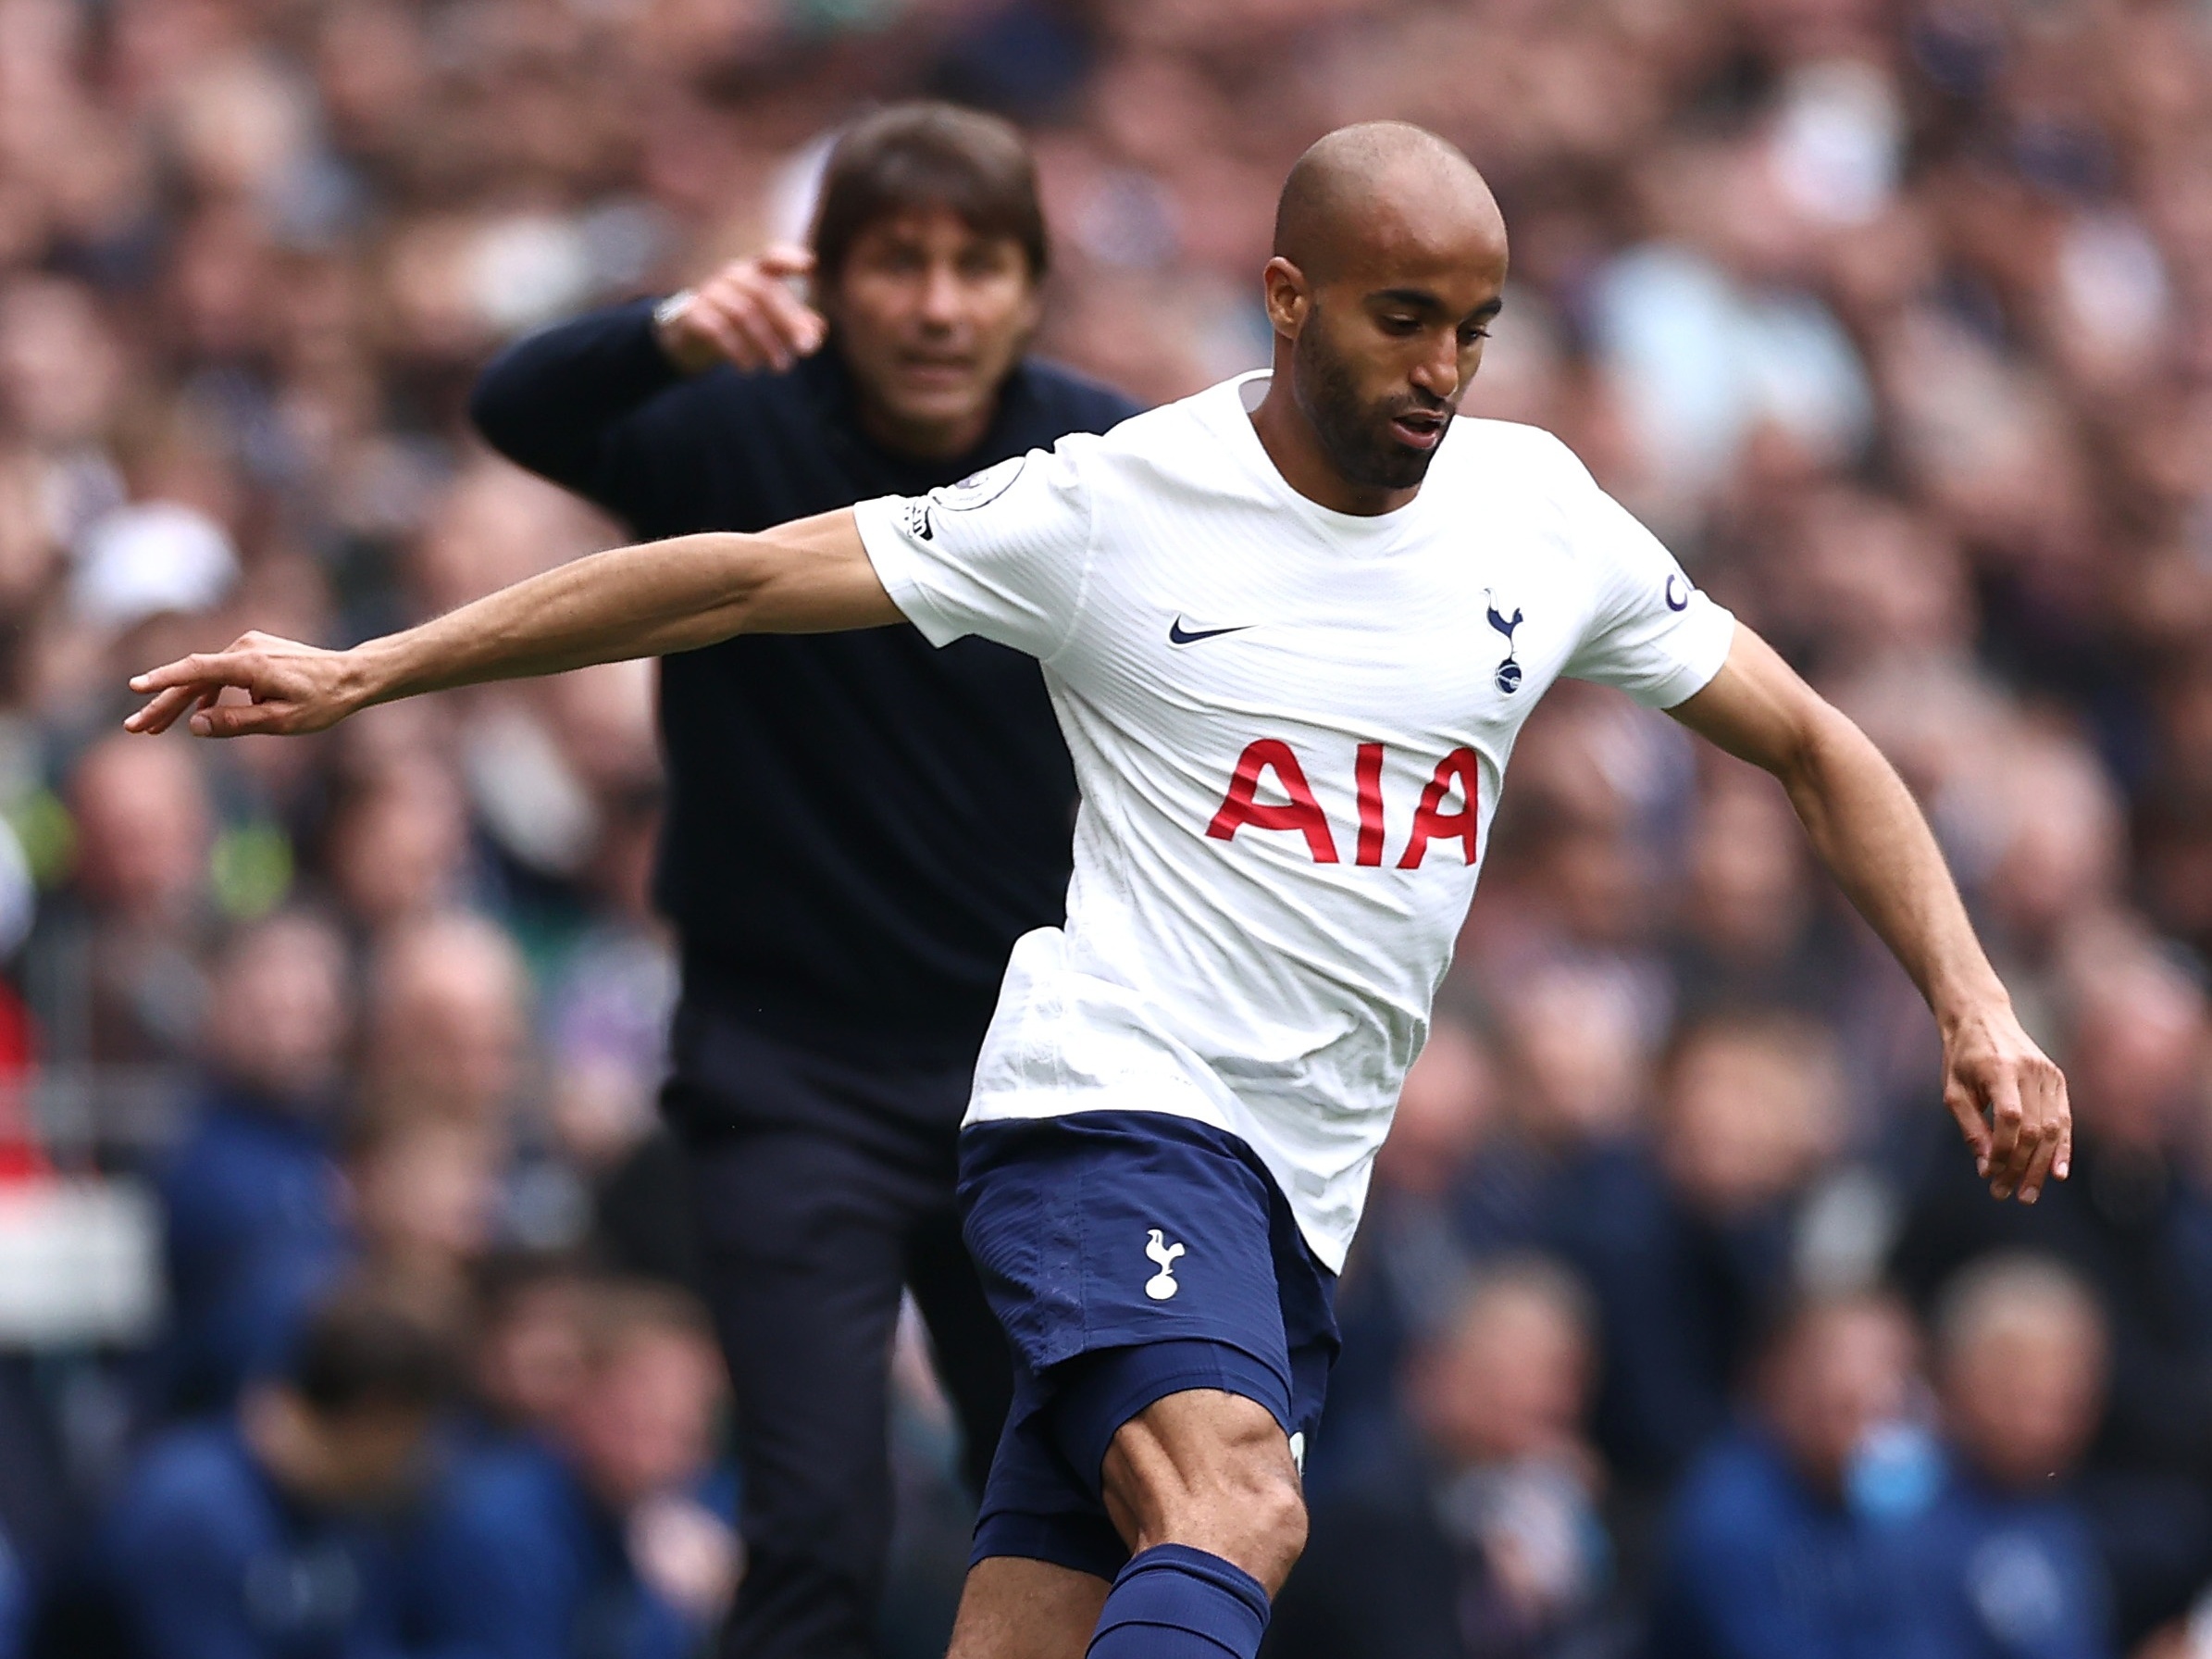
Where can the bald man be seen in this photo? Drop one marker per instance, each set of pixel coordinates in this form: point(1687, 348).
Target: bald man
point(1290, 627)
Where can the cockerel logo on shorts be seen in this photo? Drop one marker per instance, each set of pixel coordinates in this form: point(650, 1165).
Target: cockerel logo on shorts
point(1162, 1285)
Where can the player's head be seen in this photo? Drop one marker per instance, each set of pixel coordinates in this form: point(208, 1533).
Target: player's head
point(1389, 262)
point(929, 247)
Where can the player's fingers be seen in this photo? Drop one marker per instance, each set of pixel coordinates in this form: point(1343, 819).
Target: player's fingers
point(199, 667)
point(2007, 1151)
point(160, 712)
point(2062, 1163)
point(241, 719)
point(1966, 1111)
point(2039, 1165)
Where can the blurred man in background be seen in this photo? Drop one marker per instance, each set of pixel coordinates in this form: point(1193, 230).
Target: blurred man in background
point(253, 1198)
point(272, 1534)
point(1796, 1537)
point(2020, 1351)
point(2136, 1224)
point(122, 955)
point(600, 1538)
point(1484, 1541)
point(859, 827)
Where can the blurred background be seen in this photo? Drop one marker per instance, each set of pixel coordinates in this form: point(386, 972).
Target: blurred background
point(1678, 1324)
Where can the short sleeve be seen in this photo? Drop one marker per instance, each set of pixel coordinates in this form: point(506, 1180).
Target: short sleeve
point(1003, 555)
point(1652, 633)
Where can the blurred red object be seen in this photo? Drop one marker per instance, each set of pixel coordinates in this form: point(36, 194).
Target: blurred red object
point(20, 1158)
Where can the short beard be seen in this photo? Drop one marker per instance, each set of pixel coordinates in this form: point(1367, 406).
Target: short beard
point(1356, 439)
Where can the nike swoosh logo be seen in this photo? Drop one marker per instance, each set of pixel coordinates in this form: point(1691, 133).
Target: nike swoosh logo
point(1179, 635)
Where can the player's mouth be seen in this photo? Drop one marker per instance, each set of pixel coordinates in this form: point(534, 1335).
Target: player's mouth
point(1421, 428)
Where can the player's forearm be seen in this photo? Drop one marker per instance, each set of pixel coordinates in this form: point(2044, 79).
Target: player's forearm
point(1872, 834)
point(640, 601)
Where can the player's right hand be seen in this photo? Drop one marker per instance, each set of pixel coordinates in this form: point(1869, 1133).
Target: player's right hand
point(289, 688)
point(746, 314)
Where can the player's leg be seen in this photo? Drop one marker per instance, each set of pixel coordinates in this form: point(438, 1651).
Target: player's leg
point(1212, 1472)
point(1016, 1608)
point(804, 1270)
point(1152, 1281)
point(973, 1360)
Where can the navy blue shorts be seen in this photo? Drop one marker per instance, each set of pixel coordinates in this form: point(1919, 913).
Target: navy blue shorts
point(1129, 1256)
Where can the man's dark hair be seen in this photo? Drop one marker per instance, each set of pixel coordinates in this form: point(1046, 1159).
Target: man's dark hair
point(363, 1351)
point(919, 156)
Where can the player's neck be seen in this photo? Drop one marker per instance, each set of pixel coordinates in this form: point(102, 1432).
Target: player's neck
point(1288, 438)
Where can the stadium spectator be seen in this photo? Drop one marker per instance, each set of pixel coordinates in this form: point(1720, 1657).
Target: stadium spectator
point(2137, 1220)
point(1802, 1533)
point(1751, 931)
point(255, 1209)
point(2020, 1350)
point(606, 1541)
point(396, 843)
point(424, 1190)
point(1686, 1241)
point(267, 1533)
point(116, 968)
point(527, 1350)
point(445, 1021)
point(1486, 1537)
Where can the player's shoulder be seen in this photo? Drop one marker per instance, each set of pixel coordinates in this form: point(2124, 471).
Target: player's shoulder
point(1183, 435)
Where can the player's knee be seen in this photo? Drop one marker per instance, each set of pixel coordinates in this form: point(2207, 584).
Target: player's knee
point(1232, 1493)
point(1278, 1511)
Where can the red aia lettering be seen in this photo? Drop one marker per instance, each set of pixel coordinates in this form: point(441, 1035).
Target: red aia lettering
point(1301, 812)
point(1367, 772)
point(1431, 822)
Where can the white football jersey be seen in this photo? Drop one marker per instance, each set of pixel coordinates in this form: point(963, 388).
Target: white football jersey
point(1290, 725)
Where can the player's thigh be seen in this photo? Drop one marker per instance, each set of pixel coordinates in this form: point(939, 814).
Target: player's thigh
point(1016, 1608)
point(1213, 1470)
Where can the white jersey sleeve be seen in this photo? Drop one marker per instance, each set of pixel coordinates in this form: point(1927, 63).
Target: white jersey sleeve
point(1004, 554)
point(1653, 635)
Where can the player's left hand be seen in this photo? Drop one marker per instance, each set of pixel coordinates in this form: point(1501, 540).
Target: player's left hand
point(288, 688)
point(2010, 1101)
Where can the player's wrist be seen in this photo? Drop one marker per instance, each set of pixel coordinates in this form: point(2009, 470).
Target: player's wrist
point(1976, 999)
point(376, 671)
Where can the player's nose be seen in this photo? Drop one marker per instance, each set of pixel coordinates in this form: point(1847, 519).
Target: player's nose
point(1437, 373)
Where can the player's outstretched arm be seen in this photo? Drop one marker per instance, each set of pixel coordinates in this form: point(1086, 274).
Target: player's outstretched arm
point(2009, 1100)
point(812, 576)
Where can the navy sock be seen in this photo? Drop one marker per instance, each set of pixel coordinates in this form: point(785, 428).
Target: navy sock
point(1176, 1603)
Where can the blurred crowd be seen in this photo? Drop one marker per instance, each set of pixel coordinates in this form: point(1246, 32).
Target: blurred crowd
point(1680, 1323)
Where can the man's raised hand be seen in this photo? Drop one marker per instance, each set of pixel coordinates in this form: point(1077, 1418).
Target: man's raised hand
point(289, 688)
point(746, 314)
point(2010, 1101)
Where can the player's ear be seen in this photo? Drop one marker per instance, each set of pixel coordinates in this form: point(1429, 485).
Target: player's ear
point(1287, 297)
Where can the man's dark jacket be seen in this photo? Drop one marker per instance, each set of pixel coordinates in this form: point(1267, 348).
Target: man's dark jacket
point(858, 825)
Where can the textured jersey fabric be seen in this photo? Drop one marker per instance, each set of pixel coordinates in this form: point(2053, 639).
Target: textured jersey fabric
point(1289, 728)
